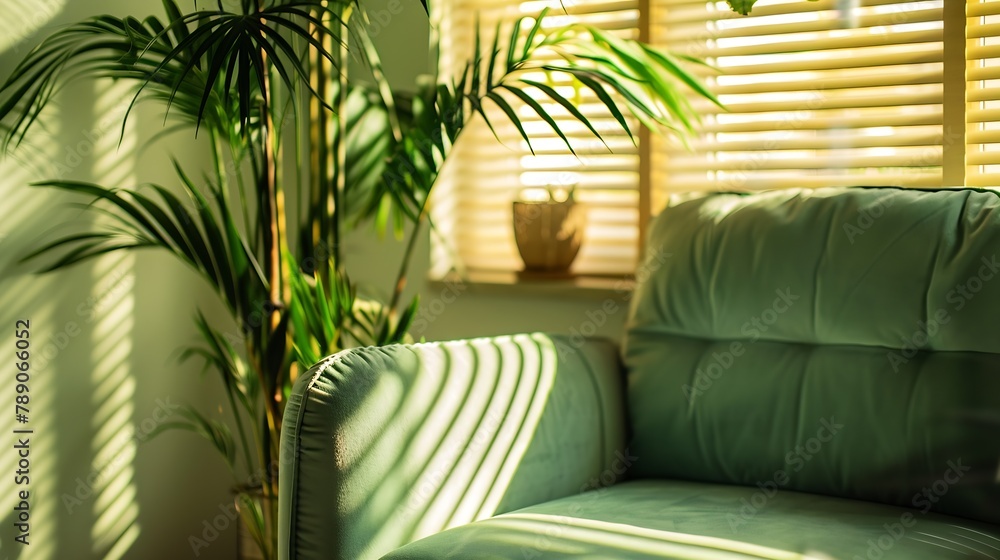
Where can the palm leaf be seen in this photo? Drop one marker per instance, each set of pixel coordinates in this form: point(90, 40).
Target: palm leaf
point(405, 321)
point(220, 253)
point(239, 386)
point(215, 432)
point(253, 519)
point(189, 60)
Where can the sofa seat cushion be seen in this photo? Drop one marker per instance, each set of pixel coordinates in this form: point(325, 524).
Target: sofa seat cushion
point(692, 520)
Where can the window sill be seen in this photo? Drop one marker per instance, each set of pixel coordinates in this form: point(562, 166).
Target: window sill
point(512, 283)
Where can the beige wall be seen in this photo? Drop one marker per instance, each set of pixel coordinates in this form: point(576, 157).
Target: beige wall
point(105, 337)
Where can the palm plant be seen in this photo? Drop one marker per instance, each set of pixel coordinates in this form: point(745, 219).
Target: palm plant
point(251, 78)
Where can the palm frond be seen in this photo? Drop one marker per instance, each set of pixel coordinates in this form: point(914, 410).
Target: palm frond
point(217, 250)
point(190, 61)
point(242, 388)
point(319, 317)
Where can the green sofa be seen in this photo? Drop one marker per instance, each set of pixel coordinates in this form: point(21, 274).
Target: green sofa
point(804, 374)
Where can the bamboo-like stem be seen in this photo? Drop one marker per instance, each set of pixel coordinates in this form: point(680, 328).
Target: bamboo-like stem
point(340, 139)
point(317, 234)
point(339, 166)
point(267, 183)
point(273, 213)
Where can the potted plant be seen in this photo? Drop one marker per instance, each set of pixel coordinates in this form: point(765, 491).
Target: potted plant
point(548, 229)
point(235, 75)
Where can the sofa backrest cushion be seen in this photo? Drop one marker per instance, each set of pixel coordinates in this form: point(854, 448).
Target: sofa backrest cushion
point(836, 341)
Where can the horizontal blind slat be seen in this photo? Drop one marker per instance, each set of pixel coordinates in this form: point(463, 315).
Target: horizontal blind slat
point(903, 76)
point(789, 120)
point(839, 63)
point(983, 116)
point(990, 180)
point(979, 9)
point(757, 183)
point(749, 163)
point(798, 141)
point(983, 158)
point(980, 31)
point(824, 100)
point(984, 73)
point(980, 136)
point(981, 52)
point(983, 94)
point(817, 45)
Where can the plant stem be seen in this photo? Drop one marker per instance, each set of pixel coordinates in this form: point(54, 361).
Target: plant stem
point(404, 266)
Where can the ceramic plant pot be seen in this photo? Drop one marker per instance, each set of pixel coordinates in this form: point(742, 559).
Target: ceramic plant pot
point(548, 232)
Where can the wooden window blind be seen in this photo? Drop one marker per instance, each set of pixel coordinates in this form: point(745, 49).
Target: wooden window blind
point(823, 93)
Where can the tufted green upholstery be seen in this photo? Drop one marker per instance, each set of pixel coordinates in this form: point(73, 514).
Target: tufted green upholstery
point(807, 374)
point(778, 313)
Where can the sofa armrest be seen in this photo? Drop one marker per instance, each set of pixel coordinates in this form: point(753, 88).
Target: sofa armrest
point(382, 446)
